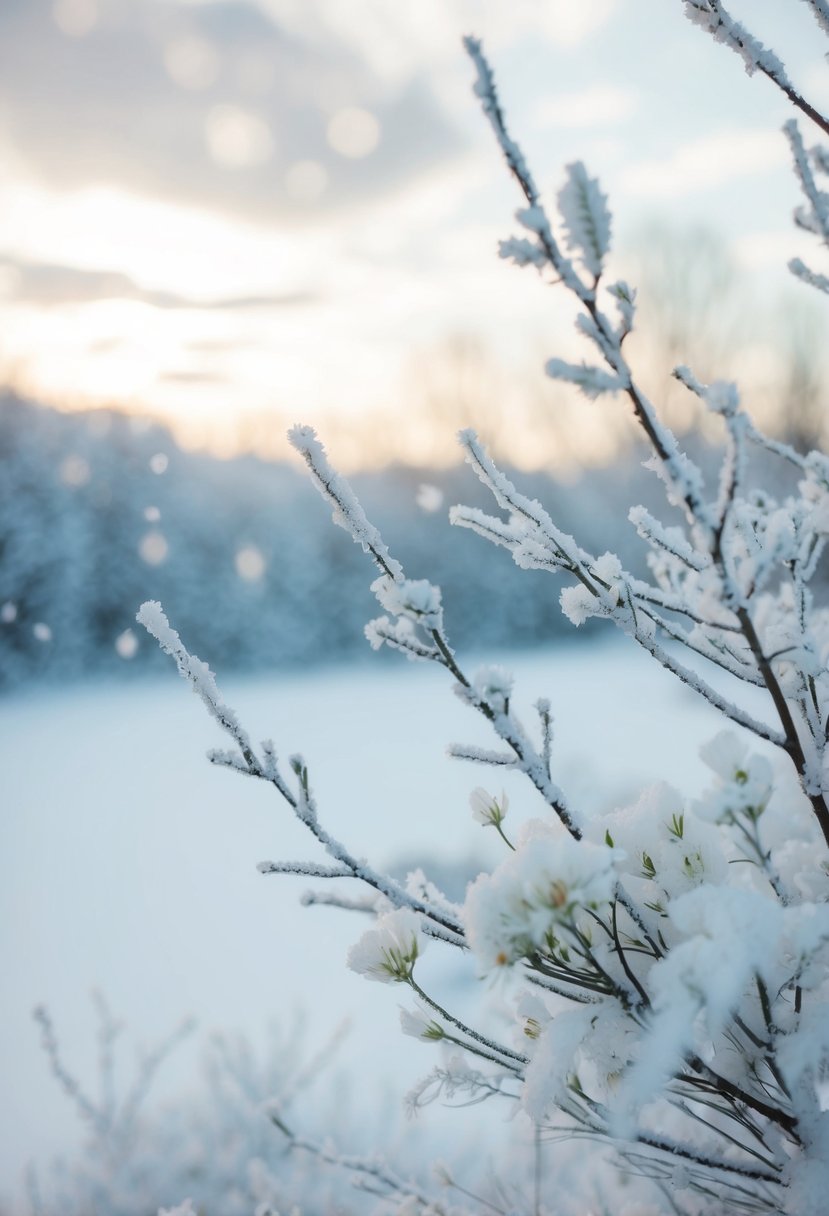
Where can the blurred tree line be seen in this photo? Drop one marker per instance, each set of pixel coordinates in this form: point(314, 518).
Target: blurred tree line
point(99, 512)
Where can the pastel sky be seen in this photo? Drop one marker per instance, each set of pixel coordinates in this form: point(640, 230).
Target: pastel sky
point(231, 213)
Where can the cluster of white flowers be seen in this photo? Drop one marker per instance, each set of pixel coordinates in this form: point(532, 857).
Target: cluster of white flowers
point(744, 782)
point(530, 905)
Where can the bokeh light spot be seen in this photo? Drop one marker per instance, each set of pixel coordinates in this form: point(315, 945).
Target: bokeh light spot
point(237, 138)
point(250, 564)
point(153, 548)
point(126, 644)
point(74, 470)
point(353, 132)
point(429, 498)
point(75, 18)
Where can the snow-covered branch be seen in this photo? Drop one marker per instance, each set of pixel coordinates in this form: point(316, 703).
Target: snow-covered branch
point(669, 959)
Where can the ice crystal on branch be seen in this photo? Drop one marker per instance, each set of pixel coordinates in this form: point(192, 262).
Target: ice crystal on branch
point(586, 218)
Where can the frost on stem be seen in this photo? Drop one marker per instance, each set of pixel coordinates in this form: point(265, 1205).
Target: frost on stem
point(198, 675)
point(820, 10)
point(348, 513)
point(711, 16)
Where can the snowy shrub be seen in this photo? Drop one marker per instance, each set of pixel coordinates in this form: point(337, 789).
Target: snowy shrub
point(212, 1150)
point(668, 961)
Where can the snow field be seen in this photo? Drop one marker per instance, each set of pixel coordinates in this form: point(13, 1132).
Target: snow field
point(129, 863)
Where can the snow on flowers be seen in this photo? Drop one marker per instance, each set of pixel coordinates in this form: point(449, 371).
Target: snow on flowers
point(518, 910)
point(388, 951)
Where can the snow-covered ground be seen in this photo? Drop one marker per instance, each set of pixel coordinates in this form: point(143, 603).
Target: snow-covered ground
point(128, 862)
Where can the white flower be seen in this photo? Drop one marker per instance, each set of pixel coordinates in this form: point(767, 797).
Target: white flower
point(725, 754)
point(662, 844)
point(419, 1023)
point(486, 809)
point(745, 782)
point(512, 912)
point(388, 951)
point(429, 498)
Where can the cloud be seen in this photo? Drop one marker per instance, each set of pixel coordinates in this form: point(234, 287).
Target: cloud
point(210, 104)
point(707, 163)
point(563, 25)
point(603, 105)
point(48, 285)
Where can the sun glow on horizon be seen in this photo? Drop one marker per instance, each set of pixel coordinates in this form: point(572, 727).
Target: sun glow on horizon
point(341, 237)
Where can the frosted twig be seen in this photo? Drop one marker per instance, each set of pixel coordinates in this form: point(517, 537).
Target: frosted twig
point(375, 1169)
point(478, 1039)
point(419, 604)
point(231, 760)
point(680, 471)
point(682, 478)
point(69, 1083)
point(150, 1064)
point(784, 450)
point(670, 540)
point(545, 716)
point(329, 899)
point(109, 1028)
point(535, 219)
point(198, 675)
point(814, 279)
point(583, 564)
point(720, 657)
point(348, 513)
point(711, 16)
point(481, 755)
point(307, 812)
point(818, 218)
point(663, 1144)
point(710, 694)
point(307, 868)
point(820, 10)
point(302, 803)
